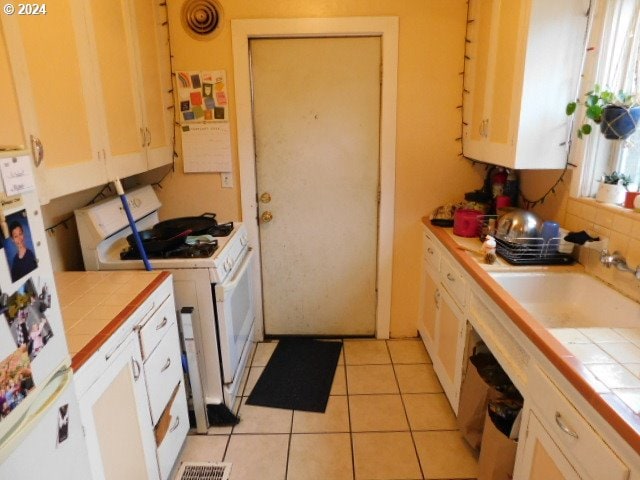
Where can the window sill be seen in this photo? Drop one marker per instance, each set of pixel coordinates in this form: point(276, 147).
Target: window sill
point(607, 207)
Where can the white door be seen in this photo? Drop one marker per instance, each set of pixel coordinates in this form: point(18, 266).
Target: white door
point(316, 105)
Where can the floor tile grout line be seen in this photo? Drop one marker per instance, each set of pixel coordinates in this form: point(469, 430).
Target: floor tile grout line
point(286, 465)
point(404, 407)
point(346, 389)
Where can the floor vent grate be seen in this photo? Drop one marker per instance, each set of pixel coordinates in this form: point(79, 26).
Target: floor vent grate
point(203, 471)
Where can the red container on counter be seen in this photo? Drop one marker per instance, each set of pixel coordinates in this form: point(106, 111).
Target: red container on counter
point(630, 198)
point(466, 223)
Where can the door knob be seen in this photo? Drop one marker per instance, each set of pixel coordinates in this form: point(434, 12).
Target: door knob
point(265, 197)
point(266, 216)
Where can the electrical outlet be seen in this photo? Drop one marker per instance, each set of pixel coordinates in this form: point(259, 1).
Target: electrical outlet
point(227, 179)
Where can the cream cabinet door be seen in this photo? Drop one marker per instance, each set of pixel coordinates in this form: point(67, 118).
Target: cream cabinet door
point(539, 457)
point(430, 299)
point(494, 71)
point(115, 415)
point(115, 61)
point(132, 58)
point(447, 361)
point(154, 72)
point(49, 57)
point(11, 133)
point(476, 76)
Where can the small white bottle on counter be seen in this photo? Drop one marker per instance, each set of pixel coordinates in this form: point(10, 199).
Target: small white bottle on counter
point(489, 249)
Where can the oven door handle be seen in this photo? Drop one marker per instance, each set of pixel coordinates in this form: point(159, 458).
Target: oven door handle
point(221, 288)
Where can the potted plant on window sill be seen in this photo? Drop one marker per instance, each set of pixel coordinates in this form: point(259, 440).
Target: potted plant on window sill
point(617, 114)
point(613, 188)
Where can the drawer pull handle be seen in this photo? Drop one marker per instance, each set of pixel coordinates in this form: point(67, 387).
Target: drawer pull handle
point(108, 355)
point(563, 427)
point(162, 324)
point(136, 369)
point(451, 278)
point(175, 424)
point(167, 364)
point(430, 250)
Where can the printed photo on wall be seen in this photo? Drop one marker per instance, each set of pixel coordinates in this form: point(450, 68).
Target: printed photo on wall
point(18, 247)
point(25, 314)
point(15, 380)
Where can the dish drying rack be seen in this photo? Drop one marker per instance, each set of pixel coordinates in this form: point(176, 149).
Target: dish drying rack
point(527, 250)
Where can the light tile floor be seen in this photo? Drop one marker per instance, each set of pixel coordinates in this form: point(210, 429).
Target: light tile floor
point(387, 419)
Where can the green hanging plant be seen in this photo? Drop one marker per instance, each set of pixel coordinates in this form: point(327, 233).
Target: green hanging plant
point(595, 102)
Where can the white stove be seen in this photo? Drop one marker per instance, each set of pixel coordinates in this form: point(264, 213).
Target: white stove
point(213, 293)
point(103, 229)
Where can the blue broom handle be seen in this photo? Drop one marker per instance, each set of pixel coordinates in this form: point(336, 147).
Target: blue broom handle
point(132, 224)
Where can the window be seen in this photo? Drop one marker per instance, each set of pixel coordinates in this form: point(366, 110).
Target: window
point(612, 61)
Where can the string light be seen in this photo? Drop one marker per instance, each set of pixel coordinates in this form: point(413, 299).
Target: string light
point(64, 222)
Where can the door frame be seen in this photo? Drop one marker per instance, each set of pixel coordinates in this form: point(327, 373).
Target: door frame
point(387, 29)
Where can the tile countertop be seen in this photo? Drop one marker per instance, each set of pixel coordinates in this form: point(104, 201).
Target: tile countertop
point(95, 304)
point(602, 364)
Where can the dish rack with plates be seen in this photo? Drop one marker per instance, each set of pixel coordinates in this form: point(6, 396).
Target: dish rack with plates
point(526, 250)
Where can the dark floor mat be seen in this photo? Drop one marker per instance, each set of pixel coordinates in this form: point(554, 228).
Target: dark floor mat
point(298, 376)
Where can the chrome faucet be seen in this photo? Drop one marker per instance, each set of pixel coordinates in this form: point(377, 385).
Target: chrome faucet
point(616, 259)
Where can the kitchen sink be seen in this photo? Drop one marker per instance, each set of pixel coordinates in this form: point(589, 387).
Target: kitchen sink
point(570, 300)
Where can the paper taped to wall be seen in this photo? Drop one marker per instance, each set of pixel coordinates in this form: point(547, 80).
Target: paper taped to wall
point(206, 147)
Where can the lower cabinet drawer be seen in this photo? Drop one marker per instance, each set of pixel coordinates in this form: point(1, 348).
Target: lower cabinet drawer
point(171, 431)
point(454, 282)
point(156, 326)
point(163, 371)
point(575, 437)
point(431, 252)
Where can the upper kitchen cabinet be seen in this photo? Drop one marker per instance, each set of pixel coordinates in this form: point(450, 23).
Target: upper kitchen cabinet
point(91, 86)
point(522, 68)
point(132, 55)
point(55, 95)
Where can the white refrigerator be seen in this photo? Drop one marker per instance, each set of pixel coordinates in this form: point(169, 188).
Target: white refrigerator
point(41, 434)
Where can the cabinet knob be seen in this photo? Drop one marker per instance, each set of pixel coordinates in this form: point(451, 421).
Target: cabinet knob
point(266, 216)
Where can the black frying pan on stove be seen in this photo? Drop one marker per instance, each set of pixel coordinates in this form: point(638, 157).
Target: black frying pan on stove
point(197, 225)
point(153, 241)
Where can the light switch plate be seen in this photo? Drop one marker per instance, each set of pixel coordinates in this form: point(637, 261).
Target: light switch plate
point(227, 179)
